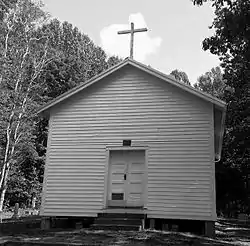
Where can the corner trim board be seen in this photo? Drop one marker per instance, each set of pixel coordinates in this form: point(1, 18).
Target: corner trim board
point(106, 180)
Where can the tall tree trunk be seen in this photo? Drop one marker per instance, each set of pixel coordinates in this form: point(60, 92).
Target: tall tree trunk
point(9, 130)
point(21, 86)
point(7, 149)
point(12, 136)
point(2, 196)
point(4, 188)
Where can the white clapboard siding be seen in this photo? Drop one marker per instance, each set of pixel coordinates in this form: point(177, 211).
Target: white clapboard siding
point(176, 127)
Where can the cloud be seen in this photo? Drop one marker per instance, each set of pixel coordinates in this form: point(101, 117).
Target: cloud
point(115, 44)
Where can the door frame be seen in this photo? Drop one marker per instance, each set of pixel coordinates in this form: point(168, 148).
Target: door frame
point(107, 164)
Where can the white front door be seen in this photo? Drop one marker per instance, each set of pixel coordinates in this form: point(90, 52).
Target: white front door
point(126, 178)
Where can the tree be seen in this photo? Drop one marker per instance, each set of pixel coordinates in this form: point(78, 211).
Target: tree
point(212, 82)
point(24, 179)
point(77, 58)
point(39, 60)
point(231, 42)
point(180, 76)
point(23, 56)
point(74, 59)
point(5, 5)
point(113, 60)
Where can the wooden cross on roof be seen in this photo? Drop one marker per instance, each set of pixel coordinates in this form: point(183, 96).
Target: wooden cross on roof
point(132, 31)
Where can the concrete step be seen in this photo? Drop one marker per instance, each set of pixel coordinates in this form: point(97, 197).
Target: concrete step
point(118, 227)
point(121, 215)
point(118, 221)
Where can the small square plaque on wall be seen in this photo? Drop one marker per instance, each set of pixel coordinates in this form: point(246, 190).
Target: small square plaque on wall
point(126, 142)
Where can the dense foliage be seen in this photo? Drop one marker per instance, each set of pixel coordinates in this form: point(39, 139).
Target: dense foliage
point(39, 60)
point(212, 82)
point(180, 76)
point(231, 42)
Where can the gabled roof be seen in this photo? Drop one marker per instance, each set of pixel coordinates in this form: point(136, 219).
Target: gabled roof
point(128, 61)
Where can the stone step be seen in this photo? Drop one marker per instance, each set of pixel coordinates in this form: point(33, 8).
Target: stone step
point(118, 227)
point(121, 215)
point(118, 221)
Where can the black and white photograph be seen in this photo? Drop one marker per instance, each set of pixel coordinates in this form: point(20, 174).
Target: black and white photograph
point(125, 122)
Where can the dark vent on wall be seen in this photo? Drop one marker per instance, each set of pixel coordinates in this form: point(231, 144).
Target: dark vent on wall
point(126, 142)
point(117, 196)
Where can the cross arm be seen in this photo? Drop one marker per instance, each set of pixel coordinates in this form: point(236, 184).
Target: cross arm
point(133, 31)
point(141, 30)
point(124, 32)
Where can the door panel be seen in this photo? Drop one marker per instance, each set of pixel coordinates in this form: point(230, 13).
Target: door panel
point(136, 173)
point(117, 185)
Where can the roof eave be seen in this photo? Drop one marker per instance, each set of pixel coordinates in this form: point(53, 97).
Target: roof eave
point(219, 103)
point(81, 87)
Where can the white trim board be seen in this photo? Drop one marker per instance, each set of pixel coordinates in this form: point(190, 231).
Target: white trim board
point(107, 165)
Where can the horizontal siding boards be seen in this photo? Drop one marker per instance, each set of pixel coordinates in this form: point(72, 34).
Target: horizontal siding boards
point(175, 126)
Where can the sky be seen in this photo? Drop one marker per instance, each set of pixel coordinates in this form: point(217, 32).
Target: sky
point(176, 29)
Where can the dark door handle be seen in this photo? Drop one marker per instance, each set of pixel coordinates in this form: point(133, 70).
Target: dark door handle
point(125, 176)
